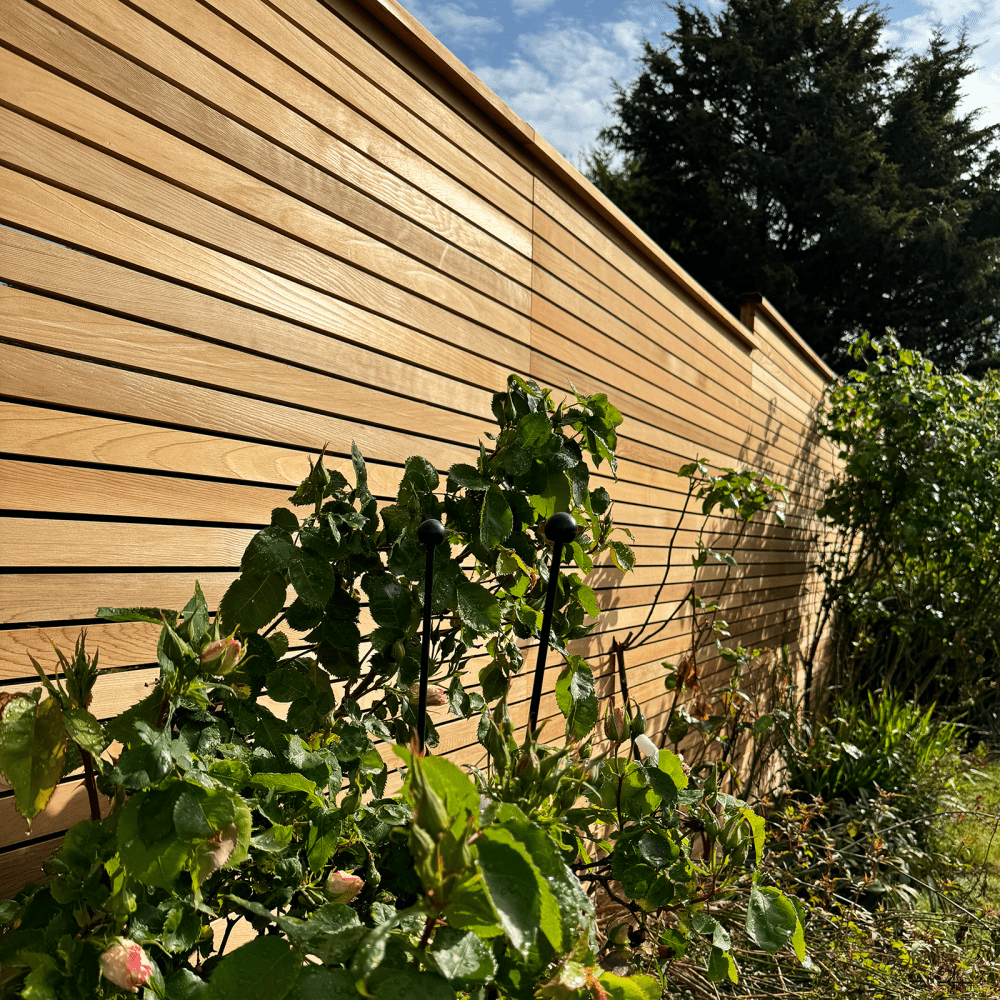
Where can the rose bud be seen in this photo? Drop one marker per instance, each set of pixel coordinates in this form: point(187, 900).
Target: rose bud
point(342, 886)
point(435, 695)
point(126, 965)
point(647, 747)
point(222, 655)
point(614, 726)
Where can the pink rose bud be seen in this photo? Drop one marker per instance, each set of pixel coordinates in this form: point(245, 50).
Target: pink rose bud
point(614, 726)
point(126, 965)
point(222, 655)
point(342, 887)
point(435, 695)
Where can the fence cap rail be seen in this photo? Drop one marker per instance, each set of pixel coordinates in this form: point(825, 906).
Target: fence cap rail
point(409, 30)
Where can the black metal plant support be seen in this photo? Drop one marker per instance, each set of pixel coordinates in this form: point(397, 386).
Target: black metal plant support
point(431, 534)
point(560, 529)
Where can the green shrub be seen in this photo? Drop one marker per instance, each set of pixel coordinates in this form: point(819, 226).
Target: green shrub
point(879, 745)
point(912, 574)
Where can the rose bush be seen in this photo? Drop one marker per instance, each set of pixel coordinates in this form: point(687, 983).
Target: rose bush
point(461, 884)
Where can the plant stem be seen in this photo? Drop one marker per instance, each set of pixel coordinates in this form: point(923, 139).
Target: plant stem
point(88, 780)
point(428, 928)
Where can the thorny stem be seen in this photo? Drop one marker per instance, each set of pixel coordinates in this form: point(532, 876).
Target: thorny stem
point(161, 718)
point(88, 780)
point(428, 928)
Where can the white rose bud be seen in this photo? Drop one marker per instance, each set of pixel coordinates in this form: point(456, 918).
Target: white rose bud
point(342, 886)
point(126, 965)
point(647, 747)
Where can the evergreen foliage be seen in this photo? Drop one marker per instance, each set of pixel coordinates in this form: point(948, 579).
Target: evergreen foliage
point(779, 147)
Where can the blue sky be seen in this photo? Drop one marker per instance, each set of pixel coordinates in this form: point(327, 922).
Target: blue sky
point(553, 61)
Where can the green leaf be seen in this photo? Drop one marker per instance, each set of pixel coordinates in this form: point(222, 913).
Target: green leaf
point(122, 728)
point(313, 579)
point(534, 429)
point(757, 828)
point(252, 601)
point(421, 474)
point(85, 731)
point(185, 985)
point(360, 474)
point(323, 984)
point(157, 864)
point(286, 783)
point(32, 751)
point(470, 909)
point(576, 911)
point(465, 476)
point(181, 929)
point(282, 517)
point(331, 933)
point(274, 839)
point(600, 500)
point(721, 966)
point(555, 497)
point(623, 556)
point(153, 615)
point(462, 958)
point(631, 988)
point(670, 765)
point(190, 820)
point(413, 986)
point(587, 599)
point(658, 848)
point(45, 981)
point(269, 551)
point(448, 781)
point(389, 603)
point(289, 683)
point(477, 607)
point(771, 918)
point(241, 974)
point(496, 520)
point(520, 895)
point(577, 699)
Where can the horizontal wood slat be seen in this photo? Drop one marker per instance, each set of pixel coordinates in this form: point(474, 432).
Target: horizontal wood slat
point(236, 232)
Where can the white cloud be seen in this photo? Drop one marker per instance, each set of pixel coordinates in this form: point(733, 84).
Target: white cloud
point(982, 21)
point(454, 21)
point(559, 79)
point(522, 7)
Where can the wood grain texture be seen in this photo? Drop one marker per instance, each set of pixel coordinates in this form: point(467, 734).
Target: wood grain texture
point(119, 644)
point(44, 323)
point(82, 437)
point(30, 598)
point(24, 864)
point(108, 391)
point(117, 545)
point(357, 270)
point(162, 92)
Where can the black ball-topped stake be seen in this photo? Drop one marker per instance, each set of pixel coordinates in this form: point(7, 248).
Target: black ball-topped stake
point(560, 529)
point(430, 534)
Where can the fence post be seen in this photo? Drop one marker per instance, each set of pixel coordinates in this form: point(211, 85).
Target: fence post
point(431, 534)
point(560, 529)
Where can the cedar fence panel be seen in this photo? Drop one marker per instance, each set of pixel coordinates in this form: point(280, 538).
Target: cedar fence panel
point(233, 231)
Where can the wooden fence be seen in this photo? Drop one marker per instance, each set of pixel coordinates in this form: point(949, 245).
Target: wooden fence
point(235, 230)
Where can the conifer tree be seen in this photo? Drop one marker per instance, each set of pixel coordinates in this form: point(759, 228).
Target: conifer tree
point(780, 147)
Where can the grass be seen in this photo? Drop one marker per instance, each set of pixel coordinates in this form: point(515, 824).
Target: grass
point(973, 836)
